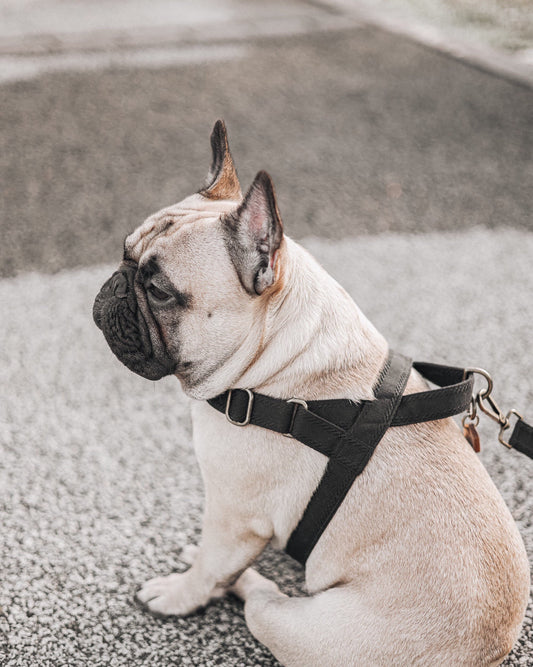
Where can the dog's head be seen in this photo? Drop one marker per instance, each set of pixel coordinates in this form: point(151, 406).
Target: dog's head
point(189, 296)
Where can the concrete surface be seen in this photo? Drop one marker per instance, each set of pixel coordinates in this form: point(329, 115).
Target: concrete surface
point(497, 35)
point(100, 488)
point(38, 26)
point(502, 24)
point(494, 35)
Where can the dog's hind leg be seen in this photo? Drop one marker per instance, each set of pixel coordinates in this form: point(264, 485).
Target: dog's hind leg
point(335, 628)
point(321, 630)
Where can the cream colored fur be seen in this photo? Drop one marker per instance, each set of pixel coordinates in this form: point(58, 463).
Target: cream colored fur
point(421, 565)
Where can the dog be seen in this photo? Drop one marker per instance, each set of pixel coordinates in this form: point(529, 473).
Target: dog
point(422, 563)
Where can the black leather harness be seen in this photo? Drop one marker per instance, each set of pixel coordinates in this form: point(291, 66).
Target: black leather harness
point(348, 433)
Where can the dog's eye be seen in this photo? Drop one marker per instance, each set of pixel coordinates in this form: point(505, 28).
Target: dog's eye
point(158, 295)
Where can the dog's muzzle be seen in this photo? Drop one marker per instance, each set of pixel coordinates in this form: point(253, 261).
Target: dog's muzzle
point(117, 313)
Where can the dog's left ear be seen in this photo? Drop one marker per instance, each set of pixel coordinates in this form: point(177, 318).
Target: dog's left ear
point(222, 181)
point(253, 235)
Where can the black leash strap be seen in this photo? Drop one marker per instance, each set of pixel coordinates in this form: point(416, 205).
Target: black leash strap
point(354, 450)
point(522, 438)
point(452, 397)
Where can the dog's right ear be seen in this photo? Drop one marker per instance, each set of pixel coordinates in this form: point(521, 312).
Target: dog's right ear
point(222, 181)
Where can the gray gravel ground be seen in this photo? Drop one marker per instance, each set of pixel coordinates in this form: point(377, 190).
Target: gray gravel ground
point(99, 486)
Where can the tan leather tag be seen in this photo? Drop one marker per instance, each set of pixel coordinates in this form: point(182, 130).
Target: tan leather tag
point(471, 434)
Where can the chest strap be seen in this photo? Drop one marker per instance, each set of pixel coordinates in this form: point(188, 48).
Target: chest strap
point(354, 450)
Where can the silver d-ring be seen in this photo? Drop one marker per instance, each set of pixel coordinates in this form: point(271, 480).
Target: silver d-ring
point(297, 402)
point(485, 374)
point(248, 409)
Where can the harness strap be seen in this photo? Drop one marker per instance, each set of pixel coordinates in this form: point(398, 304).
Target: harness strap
point(319, 424)
point(354, 450)
point(452, 398)
point(522, 438)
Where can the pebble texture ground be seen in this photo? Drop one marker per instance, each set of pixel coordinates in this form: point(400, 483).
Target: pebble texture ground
point(99, 488)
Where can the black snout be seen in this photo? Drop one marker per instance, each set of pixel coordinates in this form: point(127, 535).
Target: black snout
point(117, 286)
point(117, 313)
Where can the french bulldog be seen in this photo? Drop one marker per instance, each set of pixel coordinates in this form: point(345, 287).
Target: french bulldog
point(422, 563)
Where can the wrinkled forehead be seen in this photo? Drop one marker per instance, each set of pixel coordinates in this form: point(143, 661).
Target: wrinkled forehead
point(167, 221)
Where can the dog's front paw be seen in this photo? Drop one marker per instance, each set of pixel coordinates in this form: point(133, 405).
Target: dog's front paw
point(170, 596)
point(177, 594)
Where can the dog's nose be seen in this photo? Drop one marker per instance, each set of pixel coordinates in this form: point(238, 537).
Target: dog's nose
point(116, 286)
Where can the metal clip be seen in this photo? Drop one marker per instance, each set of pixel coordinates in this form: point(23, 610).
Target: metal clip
point(494, 411)
point(484, 401)
point(484, 395)
point(508, 425)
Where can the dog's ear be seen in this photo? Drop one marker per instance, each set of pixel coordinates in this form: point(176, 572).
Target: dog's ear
point(222, 181)
point(253, 235)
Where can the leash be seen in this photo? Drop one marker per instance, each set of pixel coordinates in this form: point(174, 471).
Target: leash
point(348, 433)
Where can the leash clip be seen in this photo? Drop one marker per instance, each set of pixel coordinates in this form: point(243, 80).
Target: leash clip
point(492, 410)
point(508, 425)
point(486, 403)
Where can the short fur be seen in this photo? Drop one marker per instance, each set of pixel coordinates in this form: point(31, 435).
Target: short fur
point(422, 564)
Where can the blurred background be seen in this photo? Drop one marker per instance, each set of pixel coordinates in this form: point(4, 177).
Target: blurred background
point(107, 107)
point(399, 135)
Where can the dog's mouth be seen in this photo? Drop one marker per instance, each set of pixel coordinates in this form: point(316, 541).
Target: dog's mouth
point(117, 314)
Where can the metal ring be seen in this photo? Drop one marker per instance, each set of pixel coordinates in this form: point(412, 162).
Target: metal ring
point(248, 409)
point(485, 374)
point(473, 419)
point(297, 401)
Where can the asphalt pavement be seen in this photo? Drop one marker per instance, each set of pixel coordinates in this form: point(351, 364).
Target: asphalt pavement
point(407, 172)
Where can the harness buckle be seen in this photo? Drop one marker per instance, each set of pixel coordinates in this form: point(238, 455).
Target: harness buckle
point(248, 408)
point(297, 402)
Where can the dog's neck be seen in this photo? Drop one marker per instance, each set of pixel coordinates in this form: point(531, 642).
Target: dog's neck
point(311, 340)
point(316, 343)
